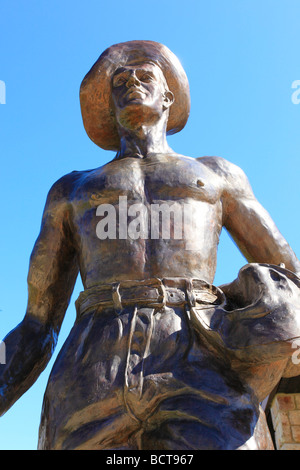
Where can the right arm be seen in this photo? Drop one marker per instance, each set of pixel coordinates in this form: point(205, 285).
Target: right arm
point(52, 274)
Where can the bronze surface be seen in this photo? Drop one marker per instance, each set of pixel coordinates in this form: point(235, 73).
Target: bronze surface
point(159, 357)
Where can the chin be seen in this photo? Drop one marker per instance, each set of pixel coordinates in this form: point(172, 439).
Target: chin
point(136, 114)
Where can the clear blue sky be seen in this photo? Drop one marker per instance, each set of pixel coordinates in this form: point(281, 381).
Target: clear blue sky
point(241, 57)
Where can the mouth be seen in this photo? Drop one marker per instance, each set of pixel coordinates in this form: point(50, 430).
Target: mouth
point(134, 92)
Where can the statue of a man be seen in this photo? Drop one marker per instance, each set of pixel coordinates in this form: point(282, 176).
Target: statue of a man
point(158, 357)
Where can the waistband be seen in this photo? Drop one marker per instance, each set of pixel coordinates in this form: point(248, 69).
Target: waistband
point(154, 293)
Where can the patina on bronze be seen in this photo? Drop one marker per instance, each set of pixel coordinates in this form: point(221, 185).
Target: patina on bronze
point(158, 358)
point(95, 92)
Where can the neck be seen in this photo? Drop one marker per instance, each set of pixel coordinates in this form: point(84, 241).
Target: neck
point(143, 141)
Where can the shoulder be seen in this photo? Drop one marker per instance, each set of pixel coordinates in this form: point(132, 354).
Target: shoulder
point(63, 187)
point(222, 167)
point(234, 179)
point(60, 194)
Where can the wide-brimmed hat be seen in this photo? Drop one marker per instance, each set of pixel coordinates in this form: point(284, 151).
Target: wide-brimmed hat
point(95, 91)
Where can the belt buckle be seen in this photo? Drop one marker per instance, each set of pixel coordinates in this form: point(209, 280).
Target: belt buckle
point(156, 283)
point(120, 302)
point(161, 300)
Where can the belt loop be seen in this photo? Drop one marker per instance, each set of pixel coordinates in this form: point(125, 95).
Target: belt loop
point(162, 292)
point(116, 297)
point(190, 294)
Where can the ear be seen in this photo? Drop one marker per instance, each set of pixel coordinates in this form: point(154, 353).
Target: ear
point(168, 99)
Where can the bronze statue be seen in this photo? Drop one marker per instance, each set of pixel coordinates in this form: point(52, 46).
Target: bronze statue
point(158, 358)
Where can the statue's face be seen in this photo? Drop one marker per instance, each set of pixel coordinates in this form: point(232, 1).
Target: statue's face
point(139, 92)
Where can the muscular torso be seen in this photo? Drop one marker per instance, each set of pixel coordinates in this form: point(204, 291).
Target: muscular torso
point(215, 194)
point(186, 185)
point(98, 347)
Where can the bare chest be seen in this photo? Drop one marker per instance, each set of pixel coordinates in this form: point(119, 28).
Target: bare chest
point(150, 181)
point(154, 213)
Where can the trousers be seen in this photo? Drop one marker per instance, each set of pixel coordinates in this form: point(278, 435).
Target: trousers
point(148, 365)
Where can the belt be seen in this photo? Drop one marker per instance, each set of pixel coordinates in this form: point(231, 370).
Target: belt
point(152, 293)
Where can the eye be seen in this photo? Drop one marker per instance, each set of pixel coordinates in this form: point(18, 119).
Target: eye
point(146, 78)
point(118, 81)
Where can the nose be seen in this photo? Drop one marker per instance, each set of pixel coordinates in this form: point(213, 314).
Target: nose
point(132, 80)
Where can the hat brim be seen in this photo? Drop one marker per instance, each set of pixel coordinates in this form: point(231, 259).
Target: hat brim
point(95, 91)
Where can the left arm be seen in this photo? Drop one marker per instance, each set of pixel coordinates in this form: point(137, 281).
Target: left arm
point(260, 241)
point(250, 225)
